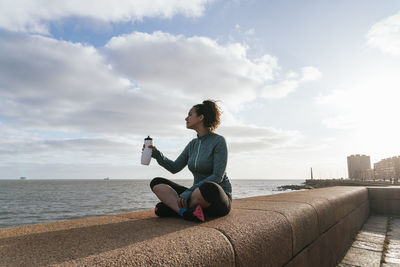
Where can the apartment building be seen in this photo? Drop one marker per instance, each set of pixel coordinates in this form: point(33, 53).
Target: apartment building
point(387, 169)
point(359, 167)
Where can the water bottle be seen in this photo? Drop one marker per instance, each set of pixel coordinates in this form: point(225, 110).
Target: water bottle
point(146, 153)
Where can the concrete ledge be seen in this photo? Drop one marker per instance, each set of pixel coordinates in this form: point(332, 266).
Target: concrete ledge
point(331, 245)
point(136, 239)
point(384, 193)
point(194, 246)
point(311, 227)
point(301, 217)
point(330, 204)
point(385, 200)
point(259, 238)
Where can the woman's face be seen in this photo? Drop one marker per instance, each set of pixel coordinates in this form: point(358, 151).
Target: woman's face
point(192, 120)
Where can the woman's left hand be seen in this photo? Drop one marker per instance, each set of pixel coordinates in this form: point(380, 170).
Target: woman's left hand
point(182, 203)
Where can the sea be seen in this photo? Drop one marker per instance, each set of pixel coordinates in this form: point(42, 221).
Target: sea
point(25, 202)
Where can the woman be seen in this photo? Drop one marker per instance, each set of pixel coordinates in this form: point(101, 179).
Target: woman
point(206, 157)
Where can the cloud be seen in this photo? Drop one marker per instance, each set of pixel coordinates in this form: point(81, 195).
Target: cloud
point(385, 35)
point(193, 67)
point(34, 15)
point(64, 146)
point(248, 138)
point(56, 85)
point(291, 82)
point(251, 31)
point(368, 104)
point(198, 67)
point(138, 84)
point(128, 86)
point(310, 73)
point(63, 102)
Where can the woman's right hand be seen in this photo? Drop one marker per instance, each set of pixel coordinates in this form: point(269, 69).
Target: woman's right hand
point(182, 203)
point(152, 147)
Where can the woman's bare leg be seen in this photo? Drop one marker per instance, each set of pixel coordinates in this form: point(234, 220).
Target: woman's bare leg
point(167, 195)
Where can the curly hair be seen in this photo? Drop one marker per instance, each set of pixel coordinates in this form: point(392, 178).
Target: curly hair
point(211, 112)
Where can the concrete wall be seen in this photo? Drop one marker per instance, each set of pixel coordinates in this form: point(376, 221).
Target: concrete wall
point(385, 200)
point(306, 228)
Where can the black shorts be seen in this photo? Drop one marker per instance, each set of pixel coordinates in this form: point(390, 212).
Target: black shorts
point(211, 192)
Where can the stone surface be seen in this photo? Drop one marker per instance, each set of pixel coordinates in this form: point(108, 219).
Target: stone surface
point(384, 193)
point(331, 204)
point(385, 206)
point(319, 253)
point(370, 237)
point(344, 198)
point(376, 225)
point(58, 226)
point(392, 255)
point(308, 228)
point(331, 246)
point(119, 234)
point(348, 228)
point(322, 207)
point(368, 246)
point(385, 200)
point(259, 238)
point(390, 265)
point(196, 246)
point(301, 217)
point(362, 257)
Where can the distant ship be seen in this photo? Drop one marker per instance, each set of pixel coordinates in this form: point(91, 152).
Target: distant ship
point(22, 178)
point(107, 178)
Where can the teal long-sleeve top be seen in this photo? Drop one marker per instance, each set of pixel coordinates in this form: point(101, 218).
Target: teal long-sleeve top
point(206, 157)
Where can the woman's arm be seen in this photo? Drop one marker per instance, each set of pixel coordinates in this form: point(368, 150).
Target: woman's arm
point(172, 166)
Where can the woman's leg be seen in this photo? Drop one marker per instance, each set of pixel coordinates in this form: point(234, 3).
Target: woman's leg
point(163, 210)
point(167, 195)
point(214, 194)
point(196, 198)
point(167, 192)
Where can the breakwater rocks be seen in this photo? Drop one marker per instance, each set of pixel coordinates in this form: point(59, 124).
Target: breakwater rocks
point(294, 187)
point(321, 183)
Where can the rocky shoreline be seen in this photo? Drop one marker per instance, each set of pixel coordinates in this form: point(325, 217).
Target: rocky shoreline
point(320, 183)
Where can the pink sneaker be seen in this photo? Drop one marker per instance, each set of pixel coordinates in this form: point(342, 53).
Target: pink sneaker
point(195, 214)
point(198, 213)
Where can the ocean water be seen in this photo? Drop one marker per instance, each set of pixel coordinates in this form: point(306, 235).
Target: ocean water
point(24, 202)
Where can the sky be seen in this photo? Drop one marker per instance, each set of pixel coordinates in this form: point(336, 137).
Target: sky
point(302, 84)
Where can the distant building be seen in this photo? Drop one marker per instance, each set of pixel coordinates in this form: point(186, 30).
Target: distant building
point(359, 167)
point(368, 175)
point(387, 169)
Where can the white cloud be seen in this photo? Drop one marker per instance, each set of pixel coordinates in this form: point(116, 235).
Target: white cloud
point(248, 138)
point(145, 83)
point(57, 85)
point(310, 73)
point(34, 15)
point(139, 84)
point(194, 67)
point(198, 67)
point(340, 122)
point(127, 87)
point(251, 31)
point(291, 82)
point(366, 108)
point(385, 35)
